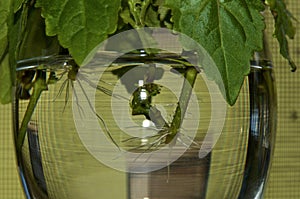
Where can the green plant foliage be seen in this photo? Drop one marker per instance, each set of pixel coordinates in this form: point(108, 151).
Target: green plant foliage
point(283, 28)
point(230, 31)
point(79, 24)
point(5, 81)
point(5, 75)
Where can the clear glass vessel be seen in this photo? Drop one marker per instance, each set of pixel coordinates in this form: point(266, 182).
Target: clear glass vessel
point(139, 126)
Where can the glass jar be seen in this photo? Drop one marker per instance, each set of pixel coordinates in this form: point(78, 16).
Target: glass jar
point(138, 123)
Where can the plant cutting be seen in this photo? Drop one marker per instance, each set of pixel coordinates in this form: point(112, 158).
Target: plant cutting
point(230, 39)
point(78, 26)
point(37, 34)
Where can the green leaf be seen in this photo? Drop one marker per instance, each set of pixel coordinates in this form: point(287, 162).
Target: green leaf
point(5, 72)
point(18, 4)
point(283, 28)
point(152, 18)
point(4, 15)
point(79, 24)
point(5, 81)
point(230, 31)
point(14, 22)
point(34, 41)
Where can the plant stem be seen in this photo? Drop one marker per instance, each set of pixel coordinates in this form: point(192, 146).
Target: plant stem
point(186, 91)
point(39, 86)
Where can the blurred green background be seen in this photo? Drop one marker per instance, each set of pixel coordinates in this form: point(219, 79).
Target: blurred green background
point(284, 181)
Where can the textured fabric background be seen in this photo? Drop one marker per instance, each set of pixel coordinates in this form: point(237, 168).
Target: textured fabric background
point(285, 173)
point(284, 179)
